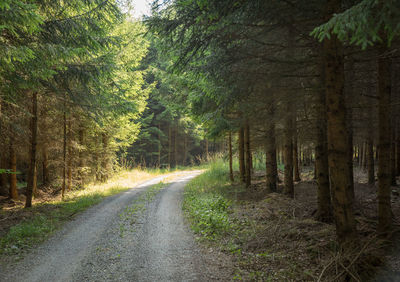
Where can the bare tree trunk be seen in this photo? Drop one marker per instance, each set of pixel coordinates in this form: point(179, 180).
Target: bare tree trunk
point(370, 162)
point(338, 139)
point(288, 188)
point(32, 165)
point(207, 149)
point(393, 157)
point(398, 149)
point(185, 145)
point(230, 157)
point(3, 176)
point(81, 156)
point(159, 145)
point(384, 168)
point(365, 157)
point(296, 157)
point(247, 153)
point(241, 155)
point(45, 166)
point(13, 176)
point(105, 163)
point(69, 164)
point(360, 155)
point(324, 211)
point(176, 145)
point(169, 145)
point(271, 166)
point(64, 149)
point(3, 159)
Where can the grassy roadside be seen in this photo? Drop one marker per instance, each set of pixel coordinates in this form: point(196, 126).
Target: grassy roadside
point(35, 225)
point(265, 235)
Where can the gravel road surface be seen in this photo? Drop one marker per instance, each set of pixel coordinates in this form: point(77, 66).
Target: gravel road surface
point(121, 239)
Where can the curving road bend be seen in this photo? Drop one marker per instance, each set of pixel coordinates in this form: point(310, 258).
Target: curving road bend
point(100, 245)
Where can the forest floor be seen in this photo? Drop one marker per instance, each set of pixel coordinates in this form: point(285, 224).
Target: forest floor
point(137, 235)
point(269, 237)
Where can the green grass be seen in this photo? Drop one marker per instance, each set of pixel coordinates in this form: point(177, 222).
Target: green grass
point(205, 204)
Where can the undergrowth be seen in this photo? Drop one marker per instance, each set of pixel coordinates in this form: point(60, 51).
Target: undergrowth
point(270, 237)
point(206, 206)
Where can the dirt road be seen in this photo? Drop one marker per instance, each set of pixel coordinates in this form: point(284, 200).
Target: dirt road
point(121, 239)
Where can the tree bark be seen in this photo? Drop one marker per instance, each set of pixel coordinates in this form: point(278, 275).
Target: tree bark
point(105, 163)
point(13, 176)
point(370, 161)
point(296, 157)
point(3, 159)
point(324, 210)
point(230, 157)
point(271, 166)
point(31, 186)
point(176, 145)
point(69, 150)
point(241, 155)
point(384, 168)
point(247, 153)
point(3, 176)
point(45, 166)
point(207, 149)
point(64, 149)
point(185, 146)
point(398, 149)
point(169, 145)
point(288, 188)
point(393, 156)
point(159, 145)
point(81, 156)
point(338, 136)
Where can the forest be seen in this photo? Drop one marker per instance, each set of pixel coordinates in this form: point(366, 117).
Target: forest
point(291, 109)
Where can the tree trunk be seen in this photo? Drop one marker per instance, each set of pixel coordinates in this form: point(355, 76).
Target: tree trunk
point(3, 159)
point(32, 165)
point(296, 157)
point(169, 145)
point(230, 157)
point(360, 155)
point(338, 139)
point(397, 145)
point(81, 156)
point(288, 188)
point(271, 166)
point(398, 149)
point(247, 153)
point(105, 163)
point(64, 150)
point(324, 210)
point(3, 176)
point(69, 150)
point(207, 150)
point(45, 166)
point(370, 161)
point(241, 155)
point(185, 145)
point(159, 145)
point(176, 145)
point(13, 176)
point(393, 157)
point(384, 168)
